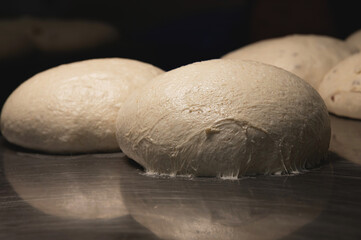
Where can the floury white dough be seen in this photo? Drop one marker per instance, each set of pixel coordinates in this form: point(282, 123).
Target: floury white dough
point(225, 118)
point(72, 108)
point(308, 56)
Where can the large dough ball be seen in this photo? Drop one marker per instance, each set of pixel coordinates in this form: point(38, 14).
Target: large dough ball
point(355, 39)
point(19, 36)
point(225, 118)
point(73, 107)
point(307, 56)
point(341, 88)
point(13, 41)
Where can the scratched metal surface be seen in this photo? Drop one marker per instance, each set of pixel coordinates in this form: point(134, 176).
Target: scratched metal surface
point(107, 196)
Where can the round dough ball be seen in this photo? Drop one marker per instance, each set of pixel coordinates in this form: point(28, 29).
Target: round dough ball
point(13, 41)
point(225, 118)
point(73, 107)
point(355, 39)
point(307, 56)
point(341, 88)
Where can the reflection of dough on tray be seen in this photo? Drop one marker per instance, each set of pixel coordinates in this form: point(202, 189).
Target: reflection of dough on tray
point(225, 118)
point(266, 208)
point(72, 108)
point(307, 56)
point(58, 187)
point(346, 138)
point(341, 88)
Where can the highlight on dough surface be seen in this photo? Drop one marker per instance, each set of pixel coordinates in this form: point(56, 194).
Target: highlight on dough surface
point(72, 108)
point(224, 118)
point(307, 56)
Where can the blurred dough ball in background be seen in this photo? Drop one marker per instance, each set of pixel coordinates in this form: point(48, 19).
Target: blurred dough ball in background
point(14, 41)
point(355, 39)
point(341, 88)
point(308, 56)
point(55, 35)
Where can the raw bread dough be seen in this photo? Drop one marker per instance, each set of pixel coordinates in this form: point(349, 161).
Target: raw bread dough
point(26, 34)
point(73, 107)
point(355, 39)
point(225, 118)
point(341, 88)
point(307, 56)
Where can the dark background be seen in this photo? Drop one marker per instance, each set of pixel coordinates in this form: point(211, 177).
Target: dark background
point(169, 34)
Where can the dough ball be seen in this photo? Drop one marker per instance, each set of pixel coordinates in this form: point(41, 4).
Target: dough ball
point(341, 88)
point(225, 118)
point(355, 39)
point(13, 40)
point(22, 35)
point(73, 107)
point(307, 56)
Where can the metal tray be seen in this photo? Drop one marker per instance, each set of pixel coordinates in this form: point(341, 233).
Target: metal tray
point(108, 196)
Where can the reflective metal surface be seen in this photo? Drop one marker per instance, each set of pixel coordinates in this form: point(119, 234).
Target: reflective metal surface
point(107, 196)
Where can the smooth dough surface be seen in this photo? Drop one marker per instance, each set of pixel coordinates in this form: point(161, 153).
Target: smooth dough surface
point(355, 39)
point(307, 56)
point(73, 107)
point(224, 118)
point(341, 88)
